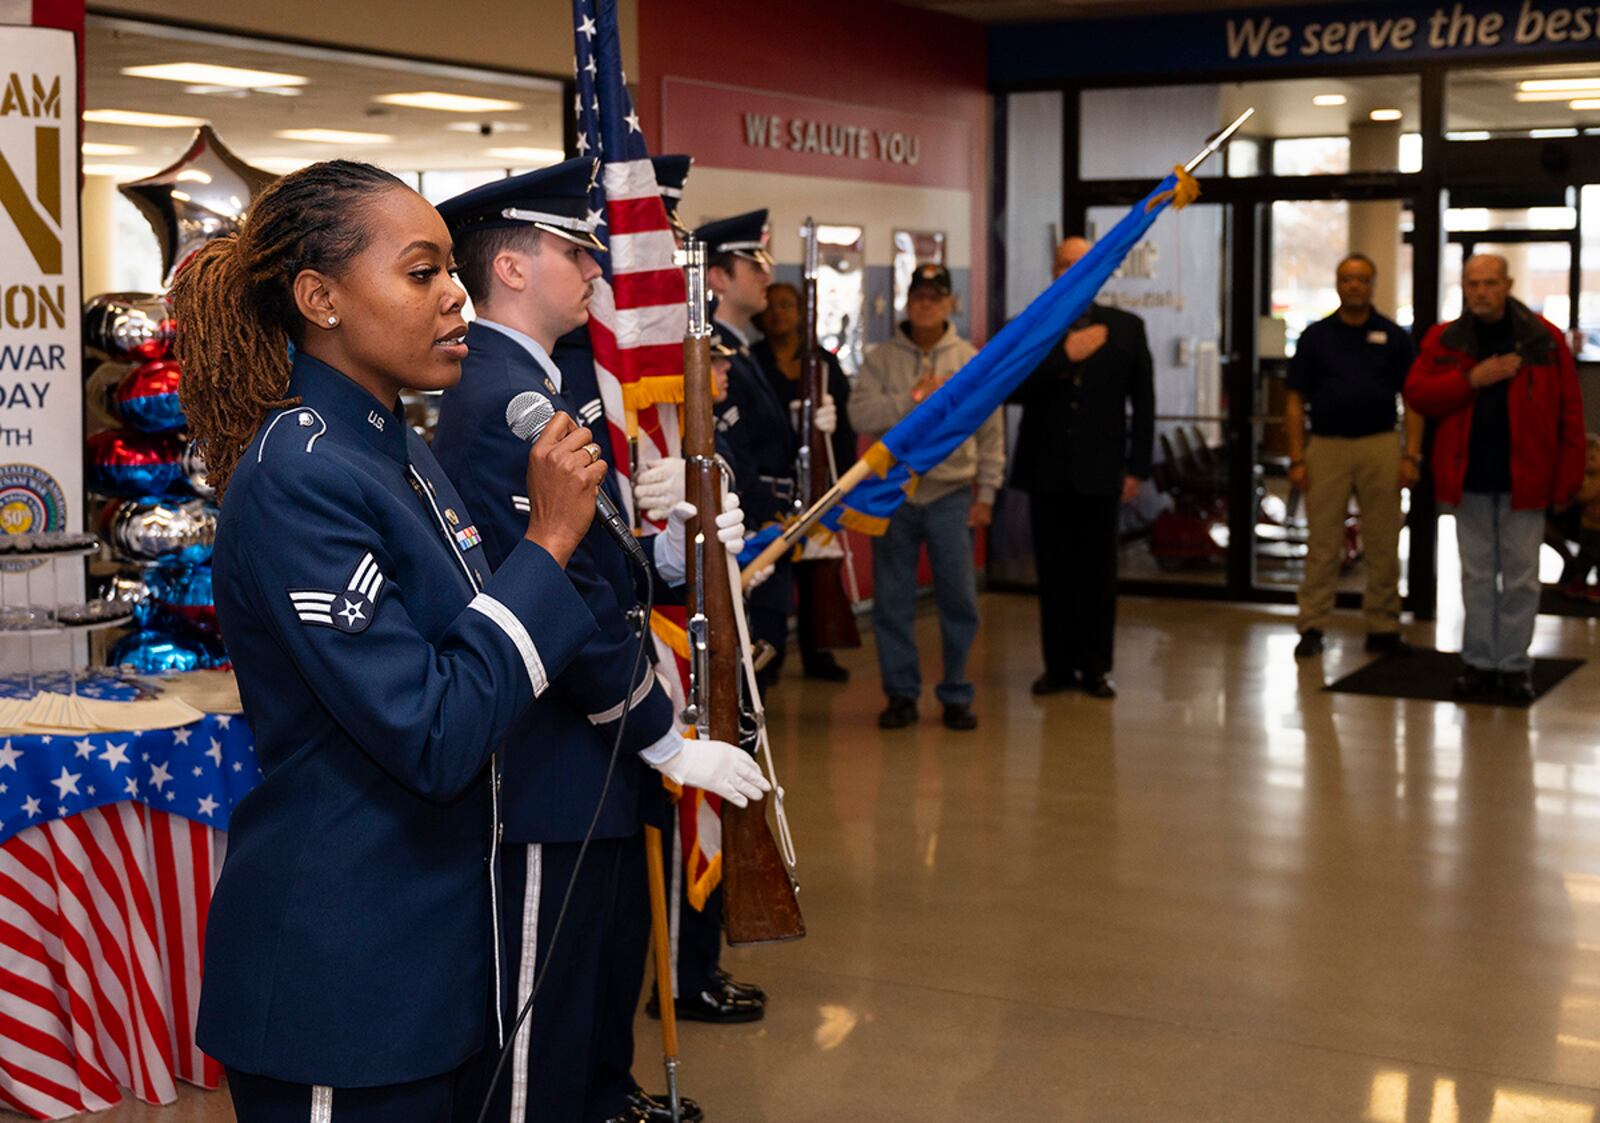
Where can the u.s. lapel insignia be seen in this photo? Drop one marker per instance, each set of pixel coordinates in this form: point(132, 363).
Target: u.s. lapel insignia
point(550, 387)
point(450, 513)
point(350, 610)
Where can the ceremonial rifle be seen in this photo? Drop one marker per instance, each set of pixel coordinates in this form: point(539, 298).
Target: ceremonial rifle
point(831, 615)
point(759, 904)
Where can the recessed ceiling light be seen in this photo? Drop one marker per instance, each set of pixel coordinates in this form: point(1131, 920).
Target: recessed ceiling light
point(1329, 99)
point(531, 157)
point(494, 127)
point(207, 74)
point(1559, 84)
point(1545, 134)
point(95, 148)
point(1557, 95)
point(449, 103)
point(118, 171)
point(334, 136)
point(1385, 115)
point(1586, 103)
point(141, 120)
point(1470, 134)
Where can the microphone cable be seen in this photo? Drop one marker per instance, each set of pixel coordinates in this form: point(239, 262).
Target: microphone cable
point(583, 849)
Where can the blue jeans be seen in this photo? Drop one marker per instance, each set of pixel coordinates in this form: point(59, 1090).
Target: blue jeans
point(1499, 580)
point(942, 525)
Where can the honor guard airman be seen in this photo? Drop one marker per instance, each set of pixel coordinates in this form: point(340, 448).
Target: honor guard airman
point(754, 426)
point(524, 246)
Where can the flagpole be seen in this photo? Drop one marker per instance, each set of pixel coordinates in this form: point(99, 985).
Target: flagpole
point(861, 469)
point(666, 985)
point(796, 530)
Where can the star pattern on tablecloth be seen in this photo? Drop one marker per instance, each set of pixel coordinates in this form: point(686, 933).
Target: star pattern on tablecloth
point(199, 772)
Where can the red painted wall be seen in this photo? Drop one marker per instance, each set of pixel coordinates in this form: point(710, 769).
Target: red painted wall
point(866, 52)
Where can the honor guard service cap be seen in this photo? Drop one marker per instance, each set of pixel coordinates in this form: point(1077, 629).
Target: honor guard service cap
point(671, 174)
point(553, 199)
point(743, 235)
point(930, 275)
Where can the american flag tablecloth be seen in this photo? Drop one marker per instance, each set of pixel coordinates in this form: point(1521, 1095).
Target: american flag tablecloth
point(109, 847)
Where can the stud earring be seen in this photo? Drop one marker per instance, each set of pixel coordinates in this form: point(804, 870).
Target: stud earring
point(333, 321)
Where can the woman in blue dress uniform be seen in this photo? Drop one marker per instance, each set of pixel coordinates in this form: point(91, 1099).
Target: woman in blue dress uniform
point(351, 957)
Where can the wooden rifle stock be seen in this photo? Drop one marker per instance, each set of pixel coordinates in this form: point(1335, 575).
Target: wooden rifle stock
point(759, 904)
point(827, 618)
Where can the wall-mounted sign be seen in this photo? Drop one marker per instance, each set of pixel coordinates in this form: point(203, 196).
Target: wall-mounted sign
point(41, 380)
point(733, 127)
point(1196, 42)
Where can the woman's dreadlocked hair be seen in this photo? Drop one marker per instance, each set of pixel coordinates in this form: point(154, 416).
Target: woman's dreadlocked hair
point(234, 302)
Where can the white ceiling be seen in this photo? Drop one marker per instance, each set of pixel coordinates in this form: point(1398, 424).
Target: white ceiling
point(339, 94)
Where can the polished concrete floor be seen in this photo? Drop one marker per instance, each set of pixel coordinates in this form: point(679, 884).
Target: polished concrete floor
point(1225, 896)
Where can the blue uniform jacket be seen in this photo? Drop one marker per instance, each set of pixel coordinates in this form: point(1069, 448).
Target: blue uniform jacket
point(574, 356)
point(350, 941)
point(550, 796)
point(756, 435)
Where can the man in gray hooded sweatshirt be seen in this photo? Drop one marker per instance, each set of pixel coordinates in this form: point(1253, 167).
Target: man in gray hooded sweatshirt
point(950, 502)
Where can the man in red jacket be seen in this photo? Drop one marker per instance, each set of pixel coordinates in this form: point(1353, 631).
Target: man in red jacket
point(1501, 383)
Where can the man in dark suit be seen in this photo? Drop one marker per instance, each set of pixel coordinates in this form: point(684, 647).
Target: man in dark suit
point(1080, 455)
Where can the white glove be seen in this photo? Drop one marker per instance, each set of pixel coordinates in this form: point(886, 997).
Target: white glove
point(827, 416)
point(758, 577)
point(730, 524)
point(717, 767)
point(659, 486)
point(671, 549)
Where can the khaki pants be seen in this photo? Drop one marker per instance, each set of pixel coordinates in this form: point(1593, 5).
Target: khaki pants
point(1369, 469)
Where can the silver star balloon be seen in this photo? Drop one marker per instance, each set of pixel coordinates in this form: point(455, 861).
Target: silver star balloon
point(205, 195)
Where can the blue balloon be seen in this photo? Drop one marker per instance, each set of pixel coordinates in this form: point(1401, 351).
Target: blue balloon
point(132, 465)
point(154, 653)
point(147, 399)
point(185, 596)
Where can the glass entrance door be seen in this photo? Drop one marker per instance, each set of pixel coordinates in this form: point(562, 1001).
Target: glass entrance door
point(1176, 529)
point(1302, 245)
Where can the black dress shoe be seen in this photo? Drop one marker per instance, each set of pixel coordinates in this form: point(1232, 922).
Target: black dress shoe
point(1387, 644)
point(959, 716)
point(718, 1006)
point(1099, 686)
point(646, 1108)
point(734, 986)
point(825, 668)
point(1048, 683)
point(1473, 682)
point(900, 713)
point(1516, 687)
point(1310, 644)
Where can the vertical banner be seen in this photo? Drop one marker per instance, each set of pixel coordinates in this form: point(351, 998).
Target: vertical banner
point(41, 349)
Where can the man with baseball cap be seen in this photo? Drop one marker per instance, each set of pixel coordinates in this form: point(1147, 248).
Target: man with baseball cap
point(951, 501)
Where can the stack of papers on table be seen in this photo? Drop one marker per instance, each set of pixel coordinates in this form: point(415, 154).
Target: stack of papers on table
point(51, 713)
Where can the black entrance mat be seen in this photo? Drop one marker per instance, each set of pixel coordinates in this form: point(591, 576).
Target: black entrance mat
point(1427, 675)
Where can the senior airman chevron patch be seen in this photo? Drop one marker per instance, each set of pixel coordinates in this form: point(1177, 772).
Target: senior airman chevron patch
point(349, 611)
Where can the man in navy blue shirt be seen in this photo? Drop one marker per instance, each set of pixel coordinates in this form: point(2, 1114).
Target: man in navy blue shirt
point(1349, 370)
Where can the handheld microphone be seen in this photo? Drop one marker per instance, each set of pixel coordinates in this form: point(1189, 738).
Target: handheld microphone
point(527, 414)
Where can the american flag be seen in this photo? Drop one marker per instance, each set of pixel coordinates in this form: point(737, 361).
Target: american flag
point(638, 315)
point(101, 938)
point(637, 321)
